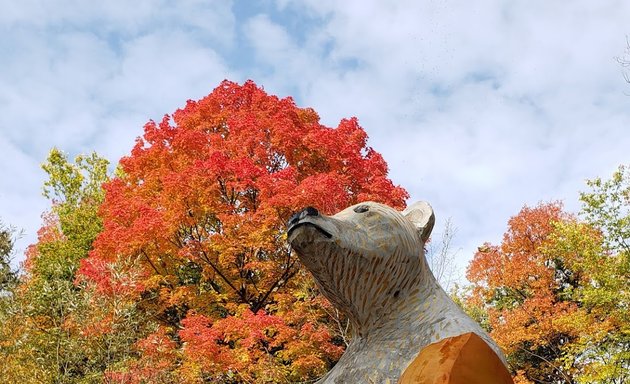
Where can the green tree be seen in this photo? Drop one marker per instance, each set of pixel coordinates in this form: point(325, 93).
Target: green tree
point(8, 283)
point(59, 329)
point(591, 278)
point(8, 276)
point(606, 207)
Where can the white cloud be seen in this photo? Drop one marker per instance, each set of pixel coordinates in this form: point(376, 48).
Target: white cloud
point(478, 107)
point(209, 21)
point(85, 77)
point(20, 205)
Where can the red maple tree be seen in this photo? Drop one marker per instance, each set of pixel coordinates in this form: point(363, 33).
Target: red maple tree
point(200, 207)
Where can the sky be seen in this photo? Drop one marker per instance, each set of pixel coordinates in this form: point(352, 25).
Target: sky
point(478, 107)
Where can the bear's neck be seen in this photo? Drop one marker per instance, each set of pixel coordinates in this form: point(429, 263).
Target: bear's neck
point(416, 301)
point(397, 330)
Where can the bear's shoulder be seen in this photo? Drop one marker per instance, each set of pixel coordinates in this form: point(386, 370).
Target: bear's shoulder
point(457, 360)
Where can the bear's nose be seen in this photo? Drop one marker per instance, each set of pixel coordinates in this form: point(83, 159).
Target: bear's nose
point(308, 211)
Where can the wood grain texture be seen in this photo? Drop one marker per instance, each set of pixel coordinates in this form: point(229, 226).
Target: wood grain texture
point(368, 260)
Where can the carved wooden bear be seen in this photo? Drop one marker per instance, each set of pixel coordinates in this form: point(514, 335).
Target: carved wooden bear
point(368, 260)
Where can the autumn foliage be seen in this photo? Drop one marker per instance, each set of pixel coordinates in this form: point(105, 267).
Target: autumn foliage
point(546, 290)
point(200, 205)
point(175, 269)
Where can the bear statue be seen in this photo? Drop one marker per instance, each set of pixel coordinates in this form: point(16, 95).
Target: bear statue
point(368, 260)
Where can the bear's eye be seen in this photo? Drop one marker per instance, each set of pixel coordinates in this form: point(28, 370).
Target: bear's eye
point(361, 208)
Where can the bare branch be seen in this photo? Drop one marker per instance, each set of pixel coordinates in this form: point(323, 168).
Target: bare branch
point(441, 258)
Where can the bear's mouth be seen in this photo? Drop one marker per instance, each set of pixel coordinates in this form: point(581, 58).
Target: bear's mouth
point(307, 223)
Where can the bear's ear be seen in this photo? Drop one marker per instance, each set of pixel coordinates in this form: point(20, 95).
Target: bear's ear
point(421, 215)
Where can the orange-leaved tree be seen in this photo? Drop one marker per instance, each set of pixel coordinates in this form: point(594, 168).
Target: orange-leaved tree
point(536, 286)
point(201, 204)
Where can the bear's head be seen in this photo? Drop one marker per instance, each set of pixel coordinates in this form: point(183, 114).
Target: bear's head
point(366, 259)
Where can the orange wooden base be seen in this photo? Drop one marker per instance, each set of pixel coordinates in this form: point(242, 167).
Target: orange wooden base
point(463, 359)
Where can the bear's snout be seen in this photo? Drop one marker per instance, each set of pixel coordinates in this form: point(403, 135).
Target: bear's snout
point(308, 211)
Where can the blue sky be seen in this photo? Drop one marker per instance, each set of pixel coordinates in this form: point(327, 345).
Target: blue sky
point(478, 107)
